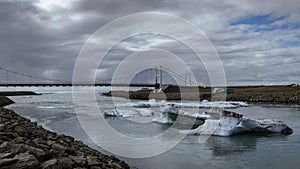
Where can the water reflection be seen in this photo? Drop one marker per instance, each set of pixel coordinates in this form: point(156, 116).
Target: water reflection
point(223, 146)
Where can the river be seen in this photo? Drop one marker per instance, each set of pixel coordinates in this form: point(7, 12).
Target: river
point(54, 109)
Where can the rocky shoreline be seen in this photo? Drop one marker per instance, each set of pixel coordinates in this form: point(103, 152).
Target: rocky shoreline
point(26, 145)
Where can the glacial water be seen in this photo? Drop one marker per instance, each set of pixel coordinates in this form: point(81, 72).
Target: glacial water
point(55, 111)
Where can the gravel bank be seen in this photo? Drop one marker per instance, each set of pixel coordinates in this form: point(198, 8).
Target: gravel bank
point(274, 96)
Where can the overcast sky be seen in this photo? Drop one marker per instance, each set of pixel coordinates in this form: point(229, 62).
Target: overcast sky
point(257, 41)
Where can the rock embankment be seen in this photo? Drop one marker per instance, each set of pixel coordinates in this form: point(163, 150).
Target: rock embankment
point(5, 101)
point(26, 145)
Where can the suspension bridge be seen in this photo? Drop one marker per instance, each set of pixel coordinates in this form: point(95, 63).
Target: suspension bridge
point(145, 78)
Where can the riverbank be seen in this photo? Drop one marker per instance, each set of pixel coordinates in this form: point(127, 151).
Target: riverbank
point(272, 94)
point(24, 144)
point(17, 93)
point(5, 101)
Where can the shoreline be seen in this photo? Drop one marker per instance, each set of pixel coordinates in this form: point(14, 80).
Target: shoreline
point(4, 101)
point(265, 94)
point(25, 144)
point(18, 93)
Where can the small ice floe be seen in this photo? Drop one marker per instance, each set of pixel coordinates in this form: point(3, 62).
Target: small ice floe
point(239, 103)
point(120, 113)
point(231, 123)
point(145, 112)
point(219, 104)
point(146, 104)
point(143, 104)
point(129, 113)
point(222, 104)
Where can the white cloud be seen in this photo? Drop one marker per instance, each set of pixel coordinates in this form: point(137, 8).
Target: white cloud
point(52, 5)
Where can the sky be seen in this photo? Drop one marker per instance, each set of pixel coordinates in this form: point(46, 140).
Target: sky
point(257, 41)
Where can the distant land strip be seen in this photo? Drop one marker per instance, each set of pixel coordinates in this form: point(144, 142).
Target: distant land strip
point(274, 94)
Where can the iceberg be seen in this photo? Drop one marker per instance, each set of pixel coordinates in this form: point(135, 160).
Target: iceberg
point(128, 113)
point(232, 123)
point(164, 119)
point(215, 122)
point(172, 115)
point(239, 103)
point(222, 123)
point(120, 113)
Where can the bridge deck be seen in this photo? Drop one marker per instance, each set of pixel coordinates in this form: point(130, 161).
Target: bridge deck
point(70, 84)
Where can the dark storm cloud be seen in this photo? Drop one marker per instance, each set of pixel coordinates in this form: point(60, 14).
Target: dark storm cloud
point(29, 45)
point(44, 37)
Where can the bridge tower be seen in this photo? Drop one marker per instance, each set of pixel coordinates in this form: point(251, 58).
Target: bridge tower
point(158, 76)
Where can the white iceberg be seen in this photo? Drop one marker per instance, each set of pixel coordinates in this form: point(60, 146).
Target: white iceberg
point(174, 109)
point(239, 103)
point(221, 122)
point(232, 123)
point(171, 114)
point(128, 113)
